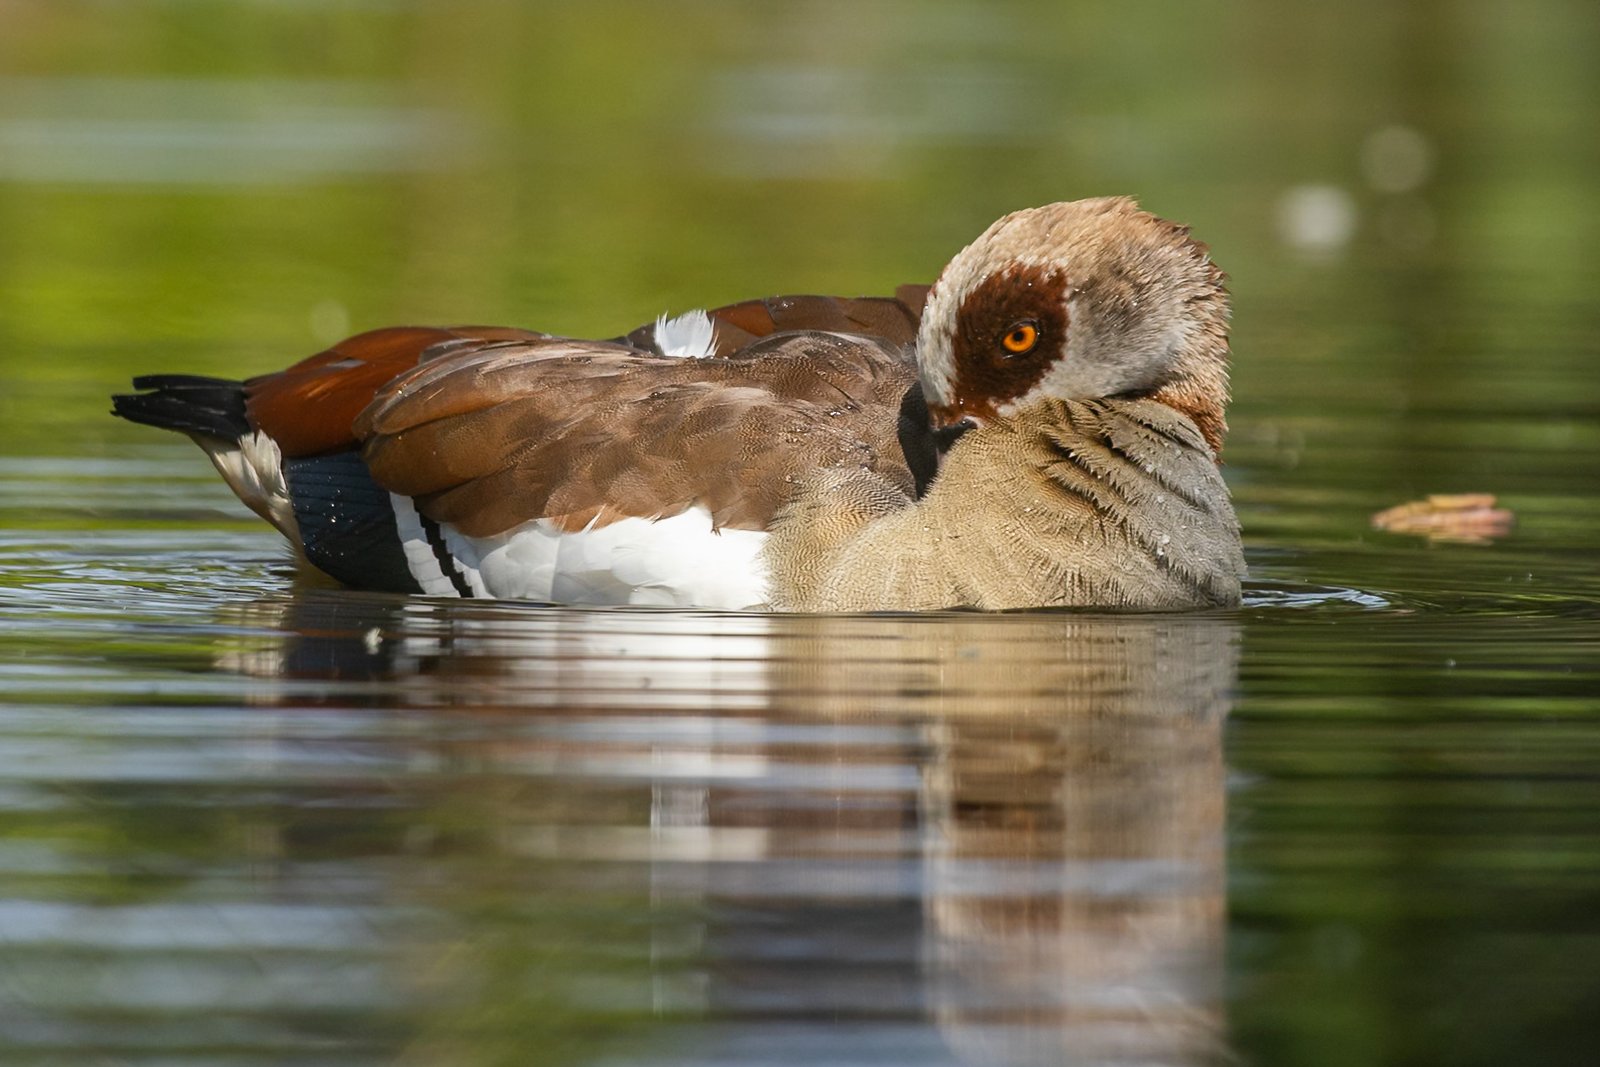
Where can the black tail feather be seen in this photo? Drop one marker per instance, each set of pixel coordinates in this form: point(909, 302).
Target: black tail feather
point(187, 403)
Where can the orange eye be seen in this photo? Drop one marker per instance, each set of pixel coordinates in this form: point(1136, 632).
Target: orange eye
point(1023, 336)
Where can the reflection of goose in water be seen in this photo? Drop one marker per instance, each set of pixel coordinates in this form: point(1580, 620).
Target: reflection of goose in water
point(1072, 821)
point(1077, 899)
point(1002, 835)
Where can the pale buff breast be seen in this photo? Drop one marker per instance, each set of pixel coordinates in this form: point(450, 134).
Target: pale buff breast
point(1071, 503)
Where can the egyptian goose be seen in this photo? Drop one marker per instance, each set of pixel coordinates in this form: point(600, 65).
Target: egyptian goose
point(1060, 447)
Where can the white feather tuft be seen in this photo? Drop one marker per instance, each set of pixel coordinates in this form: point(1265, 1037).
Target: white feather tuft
point(689, 336)
point(253, 468)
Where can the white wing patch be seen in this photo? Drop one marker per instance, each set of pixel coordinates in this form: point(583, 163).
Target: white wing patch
point(689, 336)
point(680, 561)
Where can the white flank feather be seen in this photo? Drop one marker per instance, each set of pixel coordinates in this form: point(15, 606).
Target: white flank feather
point(680, 561)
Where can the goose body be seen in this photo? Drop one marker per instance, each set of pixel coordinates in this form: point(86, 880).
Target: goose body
point(1039, 428)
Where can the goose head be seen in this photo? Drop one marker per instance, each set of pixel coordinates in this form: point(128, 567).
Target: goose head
point(1072, 301)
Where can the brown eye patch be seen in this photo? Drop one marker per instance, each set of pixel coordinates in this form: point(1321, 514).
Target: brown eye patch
point(1009, 329)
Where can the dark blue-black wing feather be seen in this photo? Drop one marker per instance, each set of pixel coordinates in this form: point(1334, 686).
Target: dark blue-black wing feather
point(347, 525)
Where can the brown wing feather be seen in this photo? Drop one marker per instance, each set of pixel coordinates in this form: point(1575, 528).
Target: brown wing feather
point(309, 408)
point(578, 432)
point(894, 319)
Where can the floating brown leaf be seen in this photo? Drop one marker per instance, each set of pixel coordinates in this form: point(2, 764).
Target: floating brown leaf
point(1469, 518)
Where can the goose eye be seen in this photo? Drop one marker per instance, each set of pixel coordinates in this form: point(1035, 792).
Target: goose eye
point(1020, 338)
